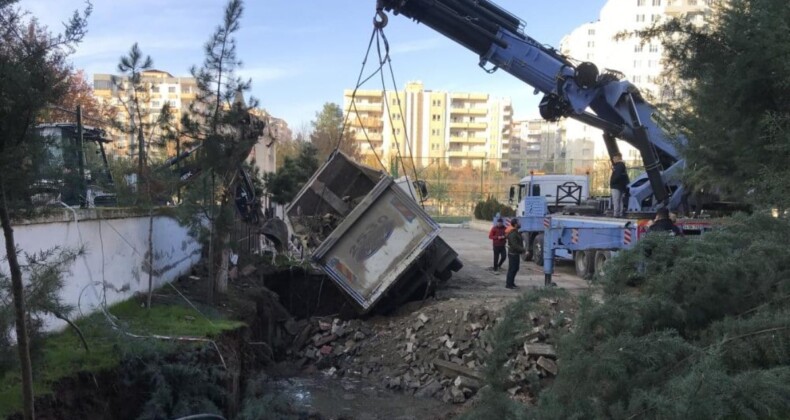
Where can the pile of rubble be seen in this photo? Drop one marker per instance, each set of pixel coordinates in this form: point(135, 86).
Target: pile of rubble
point(431, 353)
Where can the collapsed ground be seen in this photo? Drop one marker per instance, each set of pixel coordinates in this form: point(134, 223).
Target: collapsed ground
point(305, 345)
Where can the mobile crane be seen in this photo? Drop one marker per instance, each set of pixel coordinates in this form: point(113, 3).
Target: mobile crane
point(575, 90)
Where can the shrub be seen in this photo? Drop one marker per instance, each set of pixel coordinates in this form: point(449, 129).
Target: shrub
point(486, 210)
point(687, 328)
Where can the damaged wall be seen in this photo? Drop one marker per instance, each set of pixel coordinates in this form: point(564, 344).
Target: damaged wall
point(115, 261)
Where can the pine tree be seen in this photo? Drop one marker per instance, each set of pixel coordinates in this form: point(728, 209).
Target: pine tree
point(220, 121)
point(727, 85)
point(32, 65)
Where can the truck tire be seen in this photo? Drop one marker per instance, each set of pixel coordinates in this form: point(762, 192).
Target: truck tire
point(601, 258)
point(584, 261)
point(537, 250)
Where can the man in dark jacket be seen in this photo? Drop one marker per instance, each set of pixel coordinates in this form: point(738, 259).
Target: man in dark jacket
point(515, 248)
point(663, 223)
point(497, 236)
point(618, 183)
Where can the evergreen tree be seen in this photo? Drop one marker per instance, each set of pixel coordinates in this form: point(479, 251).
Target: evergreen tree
point(328, 133)
point(284, 184)
point(730, 92)
point(220, 121)
point(32, 65)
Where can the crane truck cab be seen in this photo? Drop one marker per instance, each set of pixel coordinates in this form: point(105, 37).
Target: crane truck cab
point(558, 191)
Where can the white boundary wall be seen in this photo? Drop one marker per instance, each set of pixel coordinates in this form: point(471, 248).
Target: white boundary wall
point(116, 257)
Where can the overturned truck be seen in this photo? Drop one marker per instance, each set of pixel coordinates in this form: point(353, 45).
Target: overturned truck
point(370, 235)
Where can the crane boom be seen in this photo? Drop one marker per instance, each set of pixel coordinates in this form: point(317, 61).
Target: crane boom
point(571, 89)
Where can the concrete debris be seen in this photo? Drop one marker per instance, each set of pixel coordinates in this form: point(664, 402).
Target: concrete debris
point(548, 365)
point(430, 355)
point(540, 350)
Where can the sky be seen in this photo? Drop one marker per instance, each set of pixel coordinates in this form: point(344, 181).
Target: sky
point(301, 54)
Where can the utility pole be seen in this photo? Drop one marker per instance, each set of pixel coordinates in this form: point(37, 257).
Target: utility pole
point(83, 190)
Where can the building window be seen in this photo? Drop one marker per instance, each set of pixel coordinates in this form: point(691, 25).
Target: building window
point(102, 84)
point(637, 79)
point(155, 104)
point(396, 117)
point(640, 2)
point(591, 32)
point(655, 18)
point(397, 131)
point(637, 63)
point(436, 117)
point(692, 2)
point(434, 132)
point(171, 89)
point(656, 2)
point(395, 101)
point(590, 44)
point(434, 146)
point(436, 102)
point(653, 48)
point(638, 48)
point(640, 18)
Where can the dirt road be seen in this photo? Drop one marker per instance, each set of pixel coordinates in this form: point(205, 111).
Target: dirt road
point(476, 280)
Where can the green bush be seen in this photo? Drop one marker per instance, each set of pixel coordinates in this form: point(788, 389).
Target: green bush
point(687, 328)
point(486, 210)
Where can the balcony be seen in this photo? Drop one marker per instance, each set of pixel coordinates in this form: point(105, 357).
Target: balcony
point(469, 125)
point(468, 140)
point(469, 111)
point(466, 154)
point(365, 106)
point(360, 136)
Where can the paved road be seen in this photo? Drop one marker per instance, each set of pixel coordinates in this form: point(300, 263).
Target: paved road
point(476, 277)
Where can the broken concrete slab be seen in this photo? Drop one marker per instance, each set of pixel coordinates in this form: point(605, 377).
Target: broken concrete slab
point(538, 349)
point(452, 370)
point(466, 382)
point(548, 365)
point(429, 389)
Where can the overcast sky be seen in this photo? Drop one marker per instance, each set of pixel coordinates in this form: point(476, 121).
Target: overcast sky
point(302, 53)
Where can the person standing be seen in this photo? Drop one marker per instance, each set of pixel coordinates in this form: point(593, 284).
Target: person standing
point(497, 236)
point(618, 183)
point(515, 248)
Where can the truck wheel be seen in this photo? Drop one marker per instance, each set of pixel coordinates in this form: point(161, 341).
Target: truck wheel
point(584, 262)
point(601, 257)
point(537, 248)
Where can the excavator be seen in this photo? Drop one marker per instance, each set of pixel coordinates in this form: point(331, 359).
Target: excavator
point(571, 89)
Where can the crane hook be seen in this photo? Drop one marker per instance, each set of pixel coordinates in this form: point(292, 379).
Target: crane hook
point(380, 20)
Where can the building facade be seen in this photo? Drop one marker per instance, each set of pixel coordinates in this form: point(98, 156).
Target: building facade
point(160, 88)
point(454, 128)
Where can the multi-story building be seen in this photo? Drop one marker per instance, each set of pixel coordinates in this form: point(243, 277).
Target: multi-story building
point(431, 126)
point(159, 88)
point(639, 61)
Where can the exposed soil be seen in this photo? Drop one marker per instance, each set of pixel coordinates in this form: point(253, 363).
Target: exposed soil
point(305, 339)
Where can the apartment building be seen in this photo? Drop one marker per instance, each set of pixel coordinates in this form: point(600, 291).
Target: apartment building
point(455, 128)
point(161, 88)
point(639, 62)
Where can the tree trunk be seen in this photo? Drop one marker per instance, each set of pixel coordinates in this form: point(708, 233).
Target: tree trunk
point(19, 308)
point(222, 273)
point(150, 252)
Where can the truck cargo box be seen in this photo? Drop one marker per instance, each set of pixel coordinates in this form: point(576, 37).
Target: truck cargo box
point(368, 234)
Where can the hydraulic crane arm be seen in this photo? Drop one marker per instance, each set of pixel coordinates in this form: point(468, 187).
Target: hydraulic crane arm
point(569, 88)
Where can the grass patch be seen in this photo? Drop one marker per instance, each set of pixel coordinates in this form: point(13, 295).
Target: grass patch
point(62, 354)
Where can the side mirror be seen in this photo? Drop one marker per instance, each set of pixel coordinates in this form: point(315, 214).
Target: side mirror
point(511, 195)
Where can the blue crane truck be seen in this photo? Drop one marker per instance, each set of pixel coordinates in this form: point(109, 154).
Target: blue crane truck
point(578, 90)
